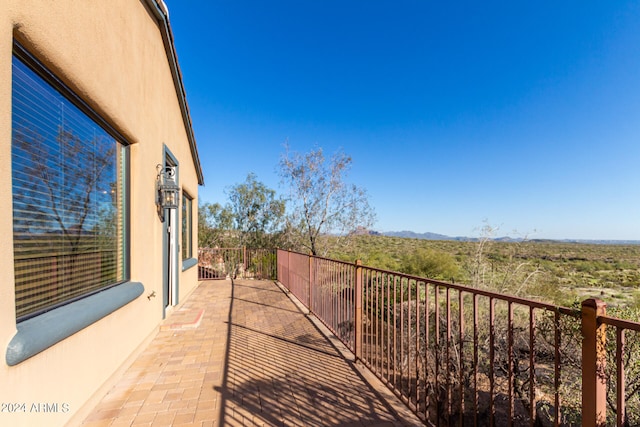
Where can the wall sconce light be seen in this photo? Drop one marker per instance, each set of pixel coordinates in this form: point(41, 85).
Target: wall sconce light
point(167, 190)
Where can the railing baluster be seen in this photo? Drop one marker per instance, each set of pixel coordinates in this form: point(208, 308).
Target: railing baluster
point(370, 317)
point(388, 334)
point(402, 338)
point(416, 377)
point(312, 280)
point(461, 358)
point(377, 320)
point(447, 366)
point(436, 297)
point(475, 360)
point(416, 354)
point(510, 362)
point(395, 333)
point(620, 378)
point(492, 335)
point(557, 369)
point(332, 296)
point(358, 316)
point(532, 370)
point(409, 328)
point(426, 350)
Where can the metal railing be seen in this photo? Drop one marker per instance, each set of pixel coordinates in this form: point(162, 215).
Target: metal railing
point(459, 355)
point(220, 263)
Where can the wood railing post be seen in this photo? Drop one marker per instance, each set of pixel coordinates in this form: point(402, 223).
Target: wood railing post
point(358, 313)
point(594, 384)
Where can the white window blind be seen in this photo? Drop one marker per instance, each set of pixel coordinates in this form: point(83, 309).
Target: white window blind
point(69, 199)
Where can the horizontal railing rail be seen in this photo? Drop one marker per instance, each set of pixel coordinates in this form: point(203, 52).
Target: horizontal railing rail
point(460, 355)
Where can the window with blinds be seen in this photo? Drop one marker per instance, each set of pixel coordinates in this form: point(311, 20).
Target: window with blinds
point(69, 194)
point(187, 227)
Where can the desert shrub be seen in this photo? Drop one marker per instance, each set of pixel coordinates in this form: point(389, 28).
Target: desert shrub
point(430, 263)
point(553, 272)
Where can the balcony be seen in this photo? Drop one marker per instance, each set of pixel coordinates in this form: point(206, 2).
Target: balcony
point(243, 354)
point(339, 344)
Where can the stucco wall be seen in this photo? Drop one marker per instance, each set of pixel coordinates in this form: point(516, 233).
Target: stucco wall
point(112, 55)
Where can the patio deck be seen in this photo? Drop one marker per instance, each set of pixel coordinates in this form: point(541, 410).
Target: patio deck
point(244, 354)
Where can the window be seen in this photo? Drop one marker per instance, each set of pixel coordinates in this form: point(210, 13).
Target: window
point(69, 181)
point(187, 226)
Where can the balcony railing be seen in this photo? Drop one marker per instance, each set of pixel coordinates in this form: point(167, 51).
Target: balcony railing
point(459, 355)
point(220, 263)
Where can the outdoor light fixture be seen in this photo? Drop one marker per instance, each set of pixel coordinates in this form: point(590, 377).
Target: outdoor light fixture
point(167, 189)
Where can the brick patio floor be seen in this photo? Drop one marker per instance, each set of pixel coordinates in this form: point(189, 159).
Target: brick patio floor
point(244, 354)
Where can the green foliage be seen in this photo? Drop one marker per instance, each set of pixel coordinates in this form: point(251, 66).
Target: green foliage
point(215, 226)
point(383, 260)
point(253, 217)
point(257, 213)
point(430, 263)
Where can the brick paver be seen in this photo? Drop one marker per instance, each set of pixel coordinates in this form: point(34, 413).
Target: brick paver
point(243, 354)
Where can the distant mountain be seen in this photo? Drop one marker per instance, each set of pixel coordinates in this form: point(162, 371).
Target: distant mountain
point(424, 236)
point(435, 236)
point(600, 242)
point(362, 231)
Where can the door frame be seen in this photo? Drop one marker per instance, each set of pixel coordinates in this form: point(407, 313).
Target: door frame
point(170, 244)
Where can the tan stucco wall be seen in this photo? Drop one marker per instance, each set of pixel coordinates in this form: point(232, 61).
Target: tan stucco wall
point(112, 55)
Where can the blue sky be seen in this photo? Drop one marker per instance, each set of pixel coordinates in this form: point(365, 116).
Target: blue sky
point(523, 116)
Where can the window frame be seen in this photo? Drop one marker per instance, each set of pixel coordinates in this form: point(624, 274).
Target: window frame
point(37, 332)
point(122, 166)
point(187, 226)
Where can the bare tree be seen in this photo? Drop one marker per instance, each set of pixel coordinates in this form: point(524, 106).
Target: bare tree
point(322, 202)
point(79, 181)
point(508, 270)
